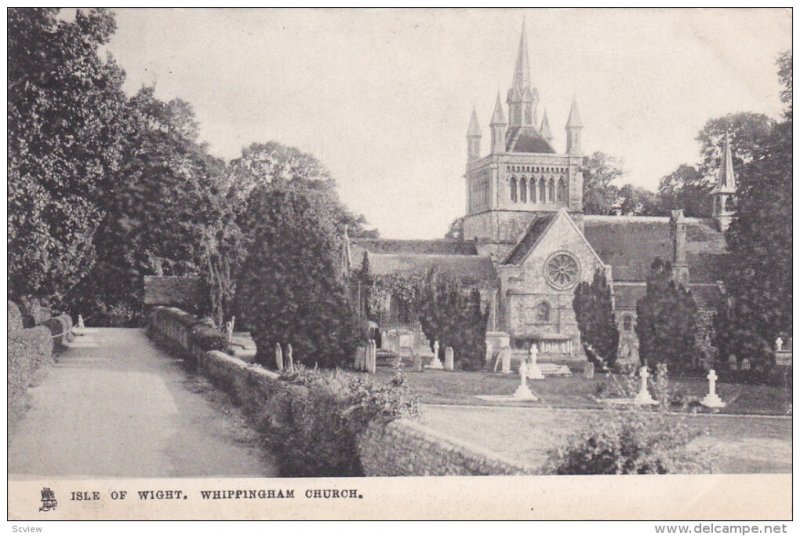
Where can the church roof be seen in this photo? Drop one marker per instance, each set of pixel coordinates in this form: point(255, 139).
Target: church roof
point(535, 231)
point(629, 245)
point(469, 269)
point(626, 296)
point(419, 247)
point(526, 140)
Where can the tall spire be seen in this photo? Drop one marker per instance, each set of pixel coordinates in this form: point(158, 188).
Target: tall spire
point(726, 181)
point(522, 70)
point(474, 128)
point(497, 117)
point(544, 128)
point(574, 120)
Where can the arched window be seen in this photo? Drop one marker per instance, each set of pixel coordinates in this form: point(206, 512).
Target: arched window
point(543, 312)
point(523, 190)
point(513, 190)
point(542, 190)
point(627, 323)
point(551, 186)
point(561, 194)
point(533, 190)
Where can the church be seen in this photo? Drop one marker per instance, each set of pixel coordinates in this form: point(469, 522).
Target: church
point(526, 243)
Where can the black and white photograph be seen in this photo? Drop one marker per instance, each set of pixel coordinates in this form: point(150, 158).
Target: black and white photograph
point(384, 263)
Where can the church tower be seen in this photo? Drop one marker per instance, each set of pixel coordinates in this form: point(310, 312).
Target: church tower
point(523, 177)
point(725, 189)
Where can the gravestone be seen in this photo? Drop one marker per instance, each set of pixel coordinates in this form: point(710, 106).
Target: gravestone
point(289, 358)
point(778, 344)
point(643, 397)
point(278, 356)
point(534, 372)
point(746, 364)
point(448, 358)
point(488, 352)
point(372, 354)
point(229, 328)
point(588, 370)
point(360, 359)
point(505, 360)
point(732, 362)
point(436, 363)
point(712, 400)
point(523, 392)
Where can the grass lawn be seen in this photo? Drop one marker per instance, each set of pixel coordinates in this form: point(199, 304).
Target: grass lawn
point(463, 388)
point(735, 444)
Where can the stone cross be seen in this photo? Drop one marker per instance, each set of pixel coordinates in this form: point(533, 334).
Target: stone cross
point(778, 344)
point(436, 363)
point(278, 356)
point(229, 328)
point(448, 358)
point(643, 397)
point(289, 358)
point(534, 372)
point(712, 399)
point(523, 392)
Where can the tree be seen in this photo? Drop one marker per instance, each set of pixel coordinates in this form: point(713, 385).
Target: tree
point(289, 290)
point(635, 201)
point(67, 129)
point(452, 315)
point(599, 171)
point(287, 168)
point(165, 218)
point(666, 320)
point(758, 275)
point(685, 188)
point(594, 313)
point(456, 229)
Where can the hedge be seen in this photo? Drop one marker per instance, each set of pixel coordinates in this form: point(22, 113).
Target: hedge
point(14, 317)
point(28, 349)
point(33, 312)
point(60, 329)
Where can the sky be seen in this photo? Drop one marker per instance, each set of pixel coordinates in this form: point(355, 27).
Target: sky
point(383, 97)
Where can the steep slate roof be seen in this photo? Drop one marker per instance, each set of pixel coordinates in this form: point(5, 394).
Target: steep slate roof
point(629, 245)
point(626, 296)
point(174, 290)
point(420, 247)
point(535, 230)
point(526, 140)
point(469, 269)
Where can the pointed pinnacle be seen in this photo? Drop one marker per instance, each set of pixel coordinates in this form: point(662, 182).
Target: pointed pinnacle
point(474, 128)
point(545, 128)
point(574, 120)
point(498, 118)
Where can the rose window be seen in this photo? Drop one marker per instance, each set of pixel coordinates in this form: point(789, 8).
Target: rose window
point(561, 270)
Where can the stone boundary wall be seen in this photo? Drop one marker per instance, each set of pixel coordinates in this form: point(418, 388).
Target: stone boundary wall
point(399, 448)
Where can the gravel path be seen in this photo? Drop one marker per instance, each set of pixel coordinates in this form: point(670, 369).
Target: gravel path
point(115, 405)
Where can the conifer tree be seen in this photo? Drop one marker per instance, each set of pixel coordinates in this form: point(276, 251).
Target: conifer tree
point(594, 313)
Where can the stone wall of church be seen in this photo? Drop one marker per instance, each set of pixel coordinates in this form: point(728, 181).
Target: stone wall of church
point(527, 292)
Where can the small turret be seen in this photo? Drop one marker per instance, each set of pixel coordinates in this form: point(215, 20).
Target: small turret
point(725, 189)
point(498, 126)
point(573, 128)
point(473, 138)
point(544, 128)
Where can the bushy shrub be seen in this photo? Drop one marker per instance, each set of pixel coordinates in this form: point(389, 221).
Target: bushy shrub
point(635, 440)
point(208, 338)
point(14, 316)
point(33, 312)
point(59, 330)
point(290, 288)
point(321, 430)
point(28, 349)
